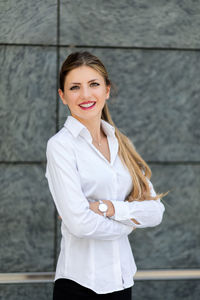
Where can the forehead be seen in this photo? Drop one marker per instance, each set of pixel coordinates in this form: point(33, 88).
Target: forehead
point(82, 74)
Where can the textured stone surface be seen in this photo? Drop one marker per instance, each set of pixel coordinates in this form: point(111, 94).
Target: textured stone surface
point(156, 106)
point(63, 109)
point(166, 290)
point(138, 23)
point(30, 22)
point(28, 101)
point(34, 291)
point(27, 224)
point(175, 243)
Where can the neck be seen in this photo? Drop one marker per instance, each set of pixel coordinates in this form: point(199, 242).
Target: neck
point(94, 127)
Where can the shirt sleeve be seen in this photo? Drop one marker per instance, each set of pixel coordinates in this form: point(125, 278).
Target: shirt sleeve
point(70, 201)
point(148, 213)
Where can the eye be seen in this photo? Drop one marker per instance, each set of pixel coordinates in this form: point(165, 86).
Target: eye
point(95, 83)
point(74, 87)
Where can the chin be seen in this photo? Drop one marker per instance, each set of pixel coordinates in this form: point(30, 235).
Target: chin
point(87, 115)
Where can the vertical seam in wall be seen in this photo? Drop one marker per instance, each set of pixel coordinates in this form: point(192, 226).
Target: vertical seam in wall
point(57, 64)
point(57, 120)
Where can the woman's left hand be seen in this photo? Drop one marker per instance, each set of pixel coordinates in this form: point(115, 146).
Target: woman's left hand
point(95, 207)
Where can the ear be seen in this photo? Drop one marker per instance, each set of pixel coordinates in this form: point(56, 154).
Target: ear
point(107, 92)
point(61, 94)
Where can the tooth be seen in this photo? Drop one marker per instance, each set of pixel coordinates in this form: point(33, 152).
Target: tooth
point(87, 105)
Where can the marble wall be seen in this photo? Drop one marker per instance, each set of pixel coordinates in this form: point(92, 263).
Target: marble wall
point(151, 51)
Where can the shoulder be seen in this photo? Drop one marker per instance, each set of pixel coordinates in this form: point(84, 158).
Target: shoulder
point(61, 141)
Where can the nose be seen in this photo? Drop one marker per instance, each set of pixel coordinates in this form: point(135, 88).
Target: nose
point(85, 92)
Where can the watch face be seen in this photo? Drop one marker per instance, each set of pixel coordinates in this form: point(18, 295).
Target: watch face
point(103, 207)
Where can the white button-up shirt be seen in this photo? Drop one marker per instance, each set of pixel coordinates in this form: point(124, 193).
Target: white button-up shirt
point(95, 251)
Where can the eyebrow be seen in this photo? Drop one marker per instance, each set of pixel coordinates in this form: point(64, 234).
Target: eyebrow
point(79, 82)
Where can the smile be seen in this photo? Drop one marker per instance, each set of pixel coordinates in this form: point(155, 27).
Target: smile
point(87, 106)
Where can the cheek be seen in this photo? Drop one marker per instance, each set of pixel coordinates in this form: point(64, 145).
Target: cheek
point(71, 99)
point(101, 94)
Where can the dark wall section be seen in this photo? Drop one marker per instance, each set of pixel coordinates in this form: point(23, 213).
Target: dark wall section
point(151, 51)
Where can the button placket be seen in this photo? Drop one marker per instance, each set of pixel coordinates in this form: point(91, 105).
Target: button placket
point(114, 180)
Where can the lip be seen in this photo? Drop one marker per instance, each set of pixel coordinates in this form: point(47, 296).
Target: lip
point(87, 102)
point(87, 108)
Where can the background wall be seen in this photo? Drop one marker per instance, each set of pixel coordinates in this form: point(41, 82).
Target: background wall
point(152, 52)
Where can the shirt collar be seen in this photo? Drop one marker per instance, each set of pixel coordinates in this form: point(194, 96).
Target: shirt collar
point(77, 128)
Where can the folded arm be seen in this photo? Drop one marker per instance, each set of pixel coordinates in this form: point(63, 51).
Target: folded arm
point(141, 214)
point(72, 206)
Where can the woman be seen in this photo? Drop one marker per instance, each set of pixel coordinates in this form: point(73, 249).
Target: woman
point(100, 186)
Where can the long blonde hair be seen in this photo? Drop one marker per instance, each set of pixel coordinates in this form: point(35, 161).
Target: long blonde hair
point(138, 168)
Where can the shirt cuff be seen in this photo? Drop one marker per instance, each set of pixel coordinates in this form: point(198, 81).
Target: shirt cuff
point(121, 210)
point(125, 222)
point(122, 213)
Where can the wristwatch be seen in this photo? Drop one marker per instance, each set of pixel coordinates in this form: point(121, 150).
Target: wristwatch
point(103, 207)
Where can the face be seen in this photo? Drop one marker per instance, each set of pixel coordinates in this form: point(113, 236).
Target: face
point(84, 85)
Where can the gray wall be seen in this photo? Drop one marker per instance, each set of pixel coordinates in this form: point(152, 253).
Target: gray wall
point(151, 51)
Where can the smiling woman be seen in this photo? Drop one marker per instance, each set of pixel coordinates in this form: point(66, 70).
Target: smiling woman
point(89, 94)
point(101, 188)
